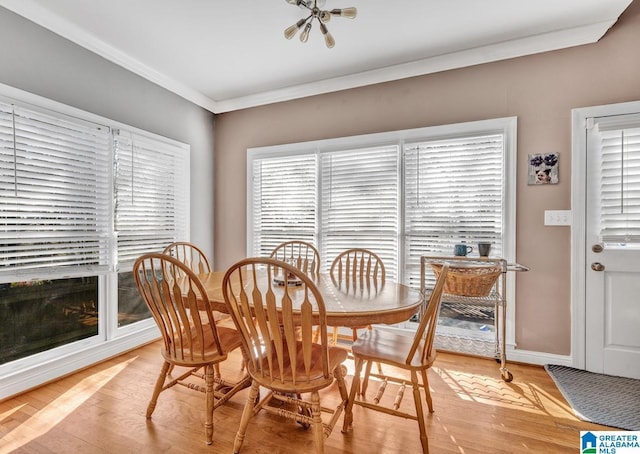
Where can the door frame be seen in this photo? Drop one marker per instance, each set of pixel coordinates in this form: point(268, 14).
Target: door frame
point(579, 118)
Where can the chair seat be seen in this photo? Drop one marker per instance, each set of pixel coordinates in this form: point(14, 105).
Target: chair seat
point(390, 348)
point(230, 339)
point(316, 378)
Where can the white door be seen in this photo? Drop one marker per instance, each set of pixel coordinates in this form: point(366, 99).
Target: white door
point(612, 312)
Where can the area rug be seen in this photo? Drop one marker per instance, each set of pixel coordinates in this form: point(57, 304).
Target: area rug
point(601, 399)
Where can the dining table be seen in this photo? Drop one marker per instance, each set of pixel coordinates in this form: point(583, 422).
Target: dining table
point(348, 302)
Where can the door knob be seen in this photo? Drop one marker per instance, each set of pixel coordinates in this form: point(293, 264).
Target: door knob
point(597, 266)
point(597, 248)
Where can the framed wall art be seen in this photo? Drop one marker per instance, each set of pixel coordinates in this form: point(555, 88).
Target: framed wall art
point(543, 168)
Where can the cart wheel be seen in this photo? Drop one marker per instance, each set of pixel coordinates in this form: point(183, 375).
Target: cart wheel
point(507, 376)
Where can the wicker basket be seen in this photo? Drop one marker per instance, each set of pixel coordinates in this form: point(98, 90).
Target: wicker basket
point(469, 280)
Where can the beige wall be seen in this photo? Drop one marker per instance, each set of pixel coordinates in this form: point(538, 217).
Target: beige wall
point(540, 90)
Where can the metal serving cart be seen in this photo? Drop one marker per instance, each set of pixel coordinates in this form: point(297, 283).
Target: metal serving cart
point(477, 282)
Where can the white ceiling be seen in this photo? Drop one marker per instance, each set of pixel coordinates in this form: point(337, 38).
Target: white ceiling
point(231, 54)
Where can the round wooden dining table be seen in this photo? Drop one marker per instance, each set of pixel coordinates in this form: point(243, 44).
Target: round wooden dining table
point(348, 303)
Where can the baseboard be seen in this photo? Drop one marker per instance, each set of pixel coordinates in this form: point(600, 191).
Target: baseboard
point(538, 358)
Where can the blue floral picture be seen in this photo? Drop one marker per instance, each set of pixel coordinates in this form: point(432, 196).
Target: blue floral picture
point(543, 168)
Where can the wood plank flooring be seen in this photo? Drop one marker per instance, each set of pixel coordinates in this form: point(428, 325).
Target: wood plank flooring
point(102, 410)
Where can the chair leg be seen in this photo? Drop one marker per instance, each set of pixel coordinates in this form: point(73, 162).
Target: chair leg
point(318, 429)
point(365, 382)
point(158, 389)
point(334, 341)
point(427, 393)
point(417, 398)
point(210, 401)
point(342, 387)
point(355, 384)
point(246, 416)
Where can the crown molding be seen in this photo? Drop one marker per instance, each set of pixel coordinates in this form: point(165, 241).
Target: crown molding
point(578, 36)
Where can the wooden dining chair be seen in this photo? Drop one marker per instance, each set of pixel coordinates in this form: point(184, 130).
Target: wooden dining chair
point(181, 309)
point(198, 262)
point(277, 323)
point(301, 254)
point(357, 268)
point(414, 355)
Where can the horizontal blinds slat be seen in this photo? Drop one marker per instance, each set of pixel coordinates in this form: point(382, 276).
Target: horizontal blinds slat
point(360, 202)
point(620, 179)
point(284, 200)
point(54, 191)
point(150, 195)
point(453, 193)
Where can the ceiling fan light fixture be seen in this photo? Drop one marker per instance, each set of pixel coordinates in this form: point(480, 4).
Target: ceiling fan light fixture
point(322, 16)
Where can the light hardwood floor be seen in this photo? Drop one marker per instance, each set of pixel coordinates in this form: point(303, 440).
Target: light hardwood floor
point(102, 410)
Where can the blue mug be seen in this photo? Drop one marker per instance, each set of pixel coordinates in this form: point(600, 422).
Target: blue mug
point(462, 249)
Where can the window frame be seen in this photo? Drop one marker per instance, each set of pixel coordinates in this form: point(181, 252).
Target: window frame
point(506, 126)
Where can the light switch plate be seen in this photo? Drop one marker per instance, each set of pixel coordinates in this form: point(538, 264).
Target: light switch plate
point(557, 217)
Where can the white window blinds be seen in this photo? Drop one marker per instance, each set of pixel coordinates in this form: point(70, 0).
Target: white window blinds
point(453, 191)
point(402, 194)
point(284, 201)
point(360, 203)
point(54, 192)
point(151, 194)
point(620, 179)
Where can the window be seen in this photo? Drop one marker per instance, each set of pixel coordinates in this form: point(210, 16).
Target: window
point(151, 180)
point(403, 194)
point(80, 198)
point(54, 221)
